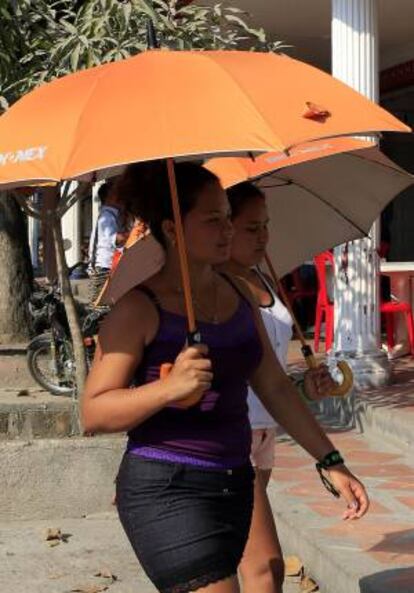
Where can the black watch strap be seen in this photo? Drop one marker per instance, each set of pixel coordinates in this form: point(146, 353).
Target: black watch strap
point(330, 460)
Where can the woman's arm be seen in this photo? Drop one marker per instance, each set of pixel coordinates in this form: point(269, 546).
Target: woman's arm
point(108, 404)
point(282, 400)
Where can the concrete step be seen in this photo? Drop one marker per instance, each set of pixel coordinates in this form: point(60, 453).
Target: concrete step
point(386, 413)
point(31, 413)
point(47, 478)
point(14, 372)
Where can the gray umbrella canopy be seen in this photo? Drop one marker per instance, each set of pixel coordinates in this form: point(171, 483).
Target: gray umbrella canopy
point(313, 205)
point(319, 204)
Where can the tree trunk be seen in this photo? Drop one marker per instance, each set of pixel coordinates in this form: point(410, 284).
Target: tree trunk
point(16, 272)
point(70, 307)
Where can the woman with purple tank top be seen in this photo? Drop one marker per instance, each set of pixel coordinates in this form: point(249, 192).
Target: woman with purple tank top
point(185, 484)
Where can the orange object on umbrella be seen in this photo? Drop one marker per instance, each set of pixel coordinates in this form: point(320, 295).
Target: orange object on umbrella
point(161, 104)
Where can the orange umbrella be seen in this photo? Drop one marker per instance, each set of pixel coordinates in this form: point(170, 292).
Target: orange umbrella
point(176, 103)
point(166, 104)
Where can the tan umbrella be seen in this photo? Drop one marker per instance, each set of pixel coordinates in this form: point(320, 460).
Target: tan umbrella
point(139, 262)
point(318, 196)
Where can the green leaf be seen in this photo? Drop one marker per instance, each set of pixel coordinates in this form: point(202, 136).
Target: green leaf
point(74, 58)
point(69, 27)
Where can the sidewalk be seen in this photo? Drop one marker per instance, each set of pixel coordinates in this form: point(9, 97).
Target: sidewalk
point(95, 544)
point(375, 554)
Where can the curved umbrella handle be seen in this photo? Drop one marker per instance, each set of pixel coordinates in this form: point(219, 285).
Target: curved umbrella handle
point(348, 381)
point(348, 378)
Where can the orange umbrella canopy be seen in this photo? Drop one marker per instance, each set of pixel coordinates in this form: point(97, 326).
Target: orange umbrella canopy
point(238, 169)
point(161, 103)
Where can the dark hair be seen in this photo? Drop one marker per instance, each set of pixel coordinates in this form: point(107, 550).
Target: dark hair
point(104, 190)
point(145, 191)
point(242, 193)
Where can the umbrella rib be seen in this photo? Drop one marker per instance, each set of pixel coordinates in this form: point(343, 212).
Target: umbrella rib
point(75, 146)
point(384, 165)
point(315, 195)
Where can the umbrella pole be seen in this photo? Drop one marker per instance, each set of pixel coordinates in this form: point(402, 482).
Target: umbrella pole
point(193, 336)
point(306, 349)
point(307, 352)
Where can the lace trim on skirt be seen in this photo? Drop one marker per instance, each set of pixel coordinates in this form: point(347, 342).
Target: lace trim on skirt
point(202, 581)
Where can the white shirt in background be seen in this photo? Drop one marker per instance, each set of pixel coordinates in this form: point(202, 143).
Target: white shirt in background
point(107, 227)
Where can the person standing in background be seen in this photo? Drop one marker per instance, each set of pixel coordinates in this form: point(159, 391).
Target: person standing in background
point(109, 234)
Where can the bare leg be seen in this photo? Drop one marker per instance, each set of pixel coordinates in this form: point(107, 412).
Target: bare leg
point(262, 567)
point(230, 585)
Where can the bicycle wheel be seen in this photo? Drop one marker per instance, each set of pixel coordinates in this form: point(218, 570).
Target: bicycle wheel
point(52, 372)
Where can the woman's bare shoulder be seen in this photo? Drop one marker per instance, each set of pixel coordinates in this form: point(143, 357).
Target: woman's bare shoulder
point(243, 286)
point(134, 315)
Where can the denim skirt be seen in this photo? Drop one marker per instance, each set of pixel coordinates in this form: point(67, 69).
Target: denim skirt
point(187, 525)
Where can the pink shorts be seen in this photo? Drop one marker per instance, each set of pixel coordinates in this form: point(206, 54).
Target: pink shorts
point(263, 447)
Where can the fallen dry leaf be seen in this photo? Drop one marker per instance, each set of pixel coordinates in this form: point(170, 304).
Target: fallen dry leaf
point(23, 393)
point(54, 536)
point(293, 566)
point(308, 585)
point(106, 574)
point(53, 533)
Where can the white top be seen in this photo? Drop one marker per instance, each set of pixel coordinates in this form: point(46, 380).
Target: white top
point(107, 227)
point(278, 324)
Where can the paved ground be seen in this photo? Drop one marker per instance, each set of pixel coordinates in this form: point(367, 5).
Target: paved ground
point(375, 555)
point(356, 556)
point(93, 545)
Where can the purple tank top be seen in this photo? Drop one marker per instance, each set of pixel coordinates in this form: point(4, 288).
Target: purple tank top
point(216, 432)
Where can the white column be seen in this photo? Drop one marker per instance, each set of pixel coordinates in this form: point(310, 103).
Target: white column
point(71, 230)
point(356, 293)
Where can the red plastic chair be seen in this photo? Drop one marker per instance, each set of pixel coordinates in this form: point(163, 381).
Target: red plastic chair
point(324, 306)
point(388, 310)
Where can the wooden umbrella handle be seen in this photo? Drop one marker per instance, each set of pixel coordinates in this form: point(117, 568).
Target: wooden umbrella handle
point(342, 388)
point(182, 251)
point(193, 336)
